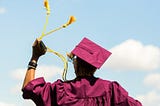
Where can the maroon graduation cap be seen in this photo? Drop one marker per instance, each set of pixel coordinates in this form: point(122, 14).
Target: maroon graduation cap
point(91, 53)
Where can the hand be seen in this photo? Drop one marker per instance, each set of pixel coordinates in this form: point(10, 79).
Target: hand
point(38, 49)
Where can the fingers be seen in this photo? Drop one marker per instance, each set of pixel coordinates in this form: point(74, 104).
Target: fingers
point(43, 48)
point(70, 55)
point(39, 48)
point(42, 45)
point(35, 42)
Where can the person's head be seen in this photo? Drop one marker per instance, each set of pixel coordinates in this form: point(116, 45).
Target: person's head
point(89, 57)
point(82, 68)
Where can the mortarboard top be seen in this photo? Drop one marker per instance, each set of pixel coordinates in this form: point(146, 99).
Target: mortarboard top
point(91, 53)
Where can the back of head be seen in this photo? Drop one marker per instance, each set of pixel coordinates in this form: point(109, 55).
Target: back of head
point(84, 69)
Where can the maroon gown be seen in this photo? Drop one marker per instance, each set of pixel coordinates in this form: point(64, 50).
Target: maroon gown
point(89, 91)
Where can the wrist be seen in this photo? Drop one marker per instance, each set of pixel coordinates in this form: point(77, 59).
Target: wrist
point(34, 59)
point(32, 65)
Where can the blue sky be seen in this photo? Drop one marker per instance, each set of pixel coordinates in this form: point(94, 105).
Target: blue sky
point(129, 29)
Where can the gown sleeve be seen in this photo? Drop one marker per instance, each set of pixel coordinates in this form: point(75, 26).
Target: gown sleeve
point(40, 92)
point(120, 96)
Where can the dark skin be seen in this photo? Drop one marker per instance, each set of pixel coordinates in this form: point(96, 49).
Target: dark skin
point(37, 51)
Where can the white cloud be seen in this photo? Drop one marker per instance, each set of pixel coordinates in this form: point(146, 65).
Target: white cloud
point(2, 10)
point(133, 55)
point(28, 103)
point(46, 71)
point(6, 104)
point(16, 89)
point(153, 80)
point(150, 99)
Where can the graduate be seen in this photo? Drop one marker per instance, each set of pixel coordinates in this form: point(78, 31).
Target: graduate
point(85, 90)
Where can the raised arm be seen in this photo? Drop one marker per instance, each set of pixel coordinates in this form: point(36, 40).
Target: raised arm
point(38, 49)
